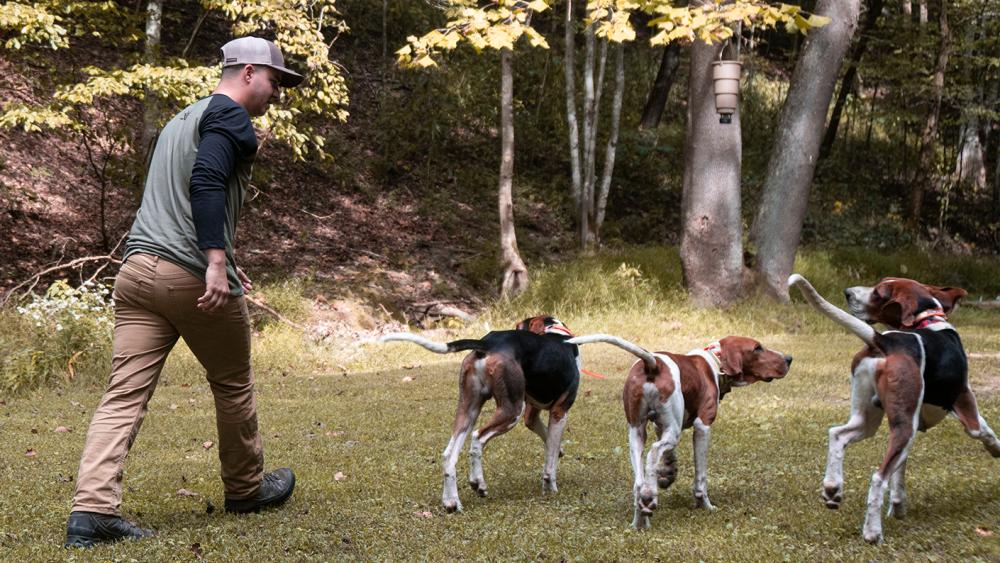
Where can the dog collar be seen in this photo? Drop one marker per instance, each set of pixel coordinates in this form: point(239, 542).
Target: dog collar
point(715, 352)
point(558, 329)
point(929, 317)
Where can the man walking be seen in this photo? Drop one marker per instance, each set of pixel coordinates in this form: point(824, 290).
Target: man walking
point(180, 280)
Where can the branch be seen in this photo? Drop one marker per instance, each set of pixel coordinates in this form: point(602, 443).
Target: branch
point(261, 305)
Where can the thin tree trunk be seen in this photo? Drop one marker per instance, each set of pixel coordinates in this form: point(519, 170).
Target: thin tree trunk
point(778, 226)
point(515, 274)
point(569, 74)
point(586, 197)
point(847, 85)
point(923, 13)
point(590, 168)
point(609, 153)
point(711, 231)
point(925, 164)
point(151, 54)
point(660, 92)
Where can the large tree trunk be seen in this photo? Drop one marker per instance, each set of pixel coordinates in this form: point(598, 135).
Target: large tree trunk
point(711, 232)
point(925, 165)
point(778, 227)
point(660, 92)
point(151, 55)
point(515, 274)
point(847, 84)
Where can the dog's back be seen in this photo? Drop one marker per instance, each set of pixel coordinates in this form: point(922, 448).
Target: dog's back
point(548, 362)
point(939, 353)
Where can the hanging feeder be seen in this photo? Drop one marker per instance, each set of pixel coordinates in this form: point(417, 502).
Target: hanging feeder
point(726, 82)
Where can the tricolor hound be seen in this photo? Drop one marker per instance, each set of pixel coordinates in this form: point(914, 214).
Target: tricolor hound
point(526, 371)
point(914, 374)
point(675, 392)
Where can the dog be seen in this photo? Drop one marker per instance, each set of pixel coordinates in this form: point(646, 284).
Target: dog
point(675, 392)
point(914, 375)
point(526, 371)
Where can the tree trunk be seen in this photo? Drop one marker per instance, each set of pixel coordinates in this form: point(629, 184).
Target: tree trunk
point(609, 153)
point(660, 92)
point(569, 73)
point(847, 85)
point(778, 227)
point(923, 13)
point(711, 232)
point(151, 54)
point(925, 164)
point(515, 274)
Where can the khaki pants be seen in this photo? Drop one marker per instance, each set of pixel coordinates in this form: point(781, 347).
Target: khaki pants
point(155, 304)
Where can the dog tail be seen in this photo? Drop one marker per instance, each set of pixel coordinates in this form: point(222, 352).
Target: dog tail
point(648, 360)
point(438, 347)
point(860, 328)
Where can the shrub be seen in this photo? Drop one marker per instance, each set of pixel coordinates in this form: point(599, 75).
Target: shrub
point(59, 336)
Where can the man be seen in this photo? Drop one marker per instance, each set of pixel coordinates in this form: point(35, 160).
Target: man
point(180, 280)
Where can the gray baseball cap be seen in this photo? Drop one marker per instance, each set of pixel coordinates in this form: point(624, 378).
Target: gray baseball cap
point(257, 51)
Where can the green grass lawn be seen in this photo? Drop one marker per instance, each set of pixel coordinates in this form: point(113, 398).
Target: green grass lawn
point(385, 437)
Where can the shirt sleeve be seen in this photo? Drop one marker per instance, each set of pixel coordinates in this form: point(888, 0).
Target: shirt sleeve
point(226, 137)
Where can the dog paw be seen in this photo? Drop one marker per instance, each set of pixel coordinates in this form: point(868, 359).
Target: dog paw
point(994, 449)
point(641, 522)
point(833, 495)
point(665, 476)
point(703, 502)
point(873, 537)
point(549, 485)
point(451, 505)
point(897, 510)
point(479, 486)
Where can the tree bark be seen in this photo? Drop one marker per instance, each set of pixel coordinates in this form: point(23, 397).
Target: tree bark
point(778, 226)
point(569, 73)
point(847, 84)
point(711, 232)
point(611, 149)
point(515, 274)
point(151, 54)
point(660, 92)
point(925, 164)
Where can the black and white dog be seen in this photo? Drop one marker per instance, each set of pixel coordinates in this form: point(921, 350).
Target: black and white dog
point(525, 371)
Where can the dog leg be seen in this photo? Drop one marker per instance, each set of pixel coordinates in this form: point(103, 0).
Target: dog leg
point(901, 391)
point(464, 419)
point(643, 507)
point(975, 425)
point(702, 433)
point(864, 422)
point(897, 493)
point(557, 423)
point(533, 420)
point(504, 418)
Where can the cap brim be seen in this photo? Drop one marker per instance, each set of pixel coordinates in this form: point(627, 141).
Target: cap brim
point(289, 79)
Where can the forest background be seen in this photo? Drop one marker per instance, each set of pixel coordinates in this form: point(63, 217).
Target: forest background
point(376, 181)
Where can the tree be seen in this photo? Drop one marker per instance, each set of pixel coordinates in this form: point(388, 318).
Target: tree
point(711, 230)
point(778, 226)
point(515, 274)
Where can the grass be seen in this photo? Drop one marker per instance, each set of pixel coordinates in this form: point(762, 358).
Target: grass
point(326, 410)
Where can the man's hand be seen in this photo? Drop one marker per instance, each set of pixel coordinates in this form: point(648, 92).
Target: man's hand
point(216, 282)
point(244, 280)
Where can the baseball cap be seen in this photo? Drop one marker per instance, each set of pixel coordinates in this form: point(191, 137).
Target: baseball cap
point(257, 51)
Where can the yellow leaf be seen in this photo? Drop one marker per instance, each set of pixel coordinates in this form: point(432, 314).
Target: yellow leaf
point(425, 61)
point(538, 5)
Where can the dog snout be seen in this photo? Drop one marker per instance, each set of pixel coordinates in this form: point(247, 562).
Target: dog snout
point(788, 360)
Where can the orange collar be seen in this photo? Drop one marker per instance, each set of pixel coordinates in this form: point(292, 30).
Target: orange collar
point(929, 317)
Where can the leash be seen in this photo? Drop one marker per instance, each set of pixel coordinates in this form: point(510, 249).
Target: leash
point(592, 373)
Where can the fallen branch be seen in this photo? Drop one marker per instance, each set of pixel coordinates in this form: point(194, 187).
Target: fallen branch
point(262, 306)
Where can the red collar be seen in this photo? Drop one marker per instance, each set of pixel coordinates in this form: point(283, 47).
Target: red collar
point(929, 317)
point(558, 329)
point(716, 350)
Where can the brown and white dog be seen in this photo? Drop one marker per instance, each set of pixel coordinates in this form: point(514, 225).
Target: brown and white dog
point(675, 392)
point(525, 370)
point(913, 375)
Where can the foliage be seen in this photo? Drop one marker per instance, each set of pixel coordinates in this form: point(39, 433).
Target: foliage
point(27, 24)
point(499, 24)
point(57, 336)
point(303, 30)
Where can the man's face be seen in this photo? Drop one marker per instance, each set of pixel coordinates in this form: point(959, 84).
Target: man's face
point(265, 89)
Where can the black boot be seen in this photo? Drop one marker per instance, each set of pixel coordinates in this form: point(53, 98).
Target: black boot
point(274, 490)
point(84, 529)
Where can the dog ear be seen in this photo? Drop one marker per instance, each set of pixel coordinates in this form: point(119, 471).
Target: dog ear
point(948, 296)
point(731, 357)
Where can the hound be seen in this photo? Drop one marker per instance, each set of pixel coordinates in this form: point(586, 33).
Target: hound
point(525, 371)
point(675, 392)
point(914, 374)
